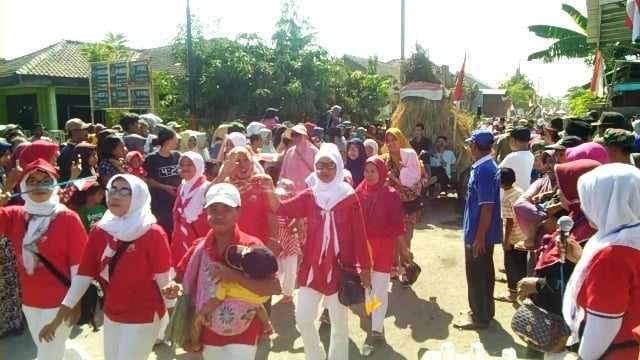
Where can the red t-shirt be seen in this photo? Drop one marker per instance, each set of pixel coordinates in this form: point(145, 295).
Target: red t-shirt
point(352, 238)
point(612, 288)
point(254, 214)
point(42, 289)
point(131, 295)
point(208, 337)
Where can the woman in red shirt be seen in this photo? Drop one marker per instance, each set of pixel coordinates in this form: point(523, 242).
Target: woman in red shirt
point(604, 289)
point(335, 240)
point(189, 217)
point(129, 254)
point(39, 232)
point(202, 267)
point(384, 220)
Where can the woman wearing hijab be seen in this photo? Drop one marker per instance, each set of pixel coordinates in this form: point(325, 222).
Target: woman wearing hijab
point(297, 164)
point(112, 154)
point(218, 138)
point(335, 241)
point(256, 218)
point(604, 290)
point(356, 156)
point(39, 232)
point(404, 176)
point(128, 253)
point(189, 219)
point(590, 150)
point(384, 221)
point(40, 149)
point(371, 147)
point(163, 176)
point(267, 142)
point(546, 283)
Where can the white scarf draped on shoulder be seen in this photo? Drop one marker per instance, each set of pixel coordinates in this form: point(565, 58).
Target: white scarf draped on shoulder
point(41, 214)
point(610, 198)
point(193, 196)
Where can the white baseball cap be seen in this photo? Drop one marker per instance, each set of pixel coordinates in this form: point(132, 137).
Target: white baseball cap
point(254, 128)
point(223, 193)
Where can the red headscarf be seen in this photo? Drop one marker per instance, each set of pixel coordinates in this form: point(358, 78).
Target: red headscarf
point(373, 197)
point(39, 149)
point(567, 175)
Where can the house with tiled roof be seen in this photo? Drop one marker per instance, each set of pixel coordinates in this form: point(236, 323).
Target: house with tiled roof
point(51, 85)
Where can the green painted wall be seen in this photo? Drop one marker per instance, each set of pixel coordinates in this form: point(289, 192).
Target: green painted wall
point(42, 95)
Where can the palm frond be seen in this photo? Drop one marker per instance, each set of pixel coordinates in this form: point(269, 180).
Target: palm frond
point(554, 32)
point(570, 48)
point(576, 15)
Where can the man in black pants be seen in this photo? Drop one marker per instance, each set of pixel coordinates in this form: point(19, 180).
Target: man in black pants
point(482, 230)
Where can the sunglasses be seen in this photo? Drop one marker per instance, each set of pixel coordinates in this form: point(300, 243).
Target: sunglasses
point(121, 192)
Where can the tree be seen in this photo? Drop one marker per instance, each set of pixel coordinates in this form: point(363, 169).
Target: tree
point(520, 90)
point(580, 101)
point(471, 92)
point(419, 67)
point(552, 103)
point(112, 48)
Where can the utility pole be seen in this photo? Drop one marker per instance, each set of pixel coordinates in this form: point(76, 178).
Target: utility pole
point(193, 121)
point(401, 41)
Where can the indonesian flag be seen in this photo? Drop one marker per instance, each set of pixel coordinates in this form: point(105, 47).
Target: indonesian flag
point(597, 80)
point(633, 19)
point(458, 92)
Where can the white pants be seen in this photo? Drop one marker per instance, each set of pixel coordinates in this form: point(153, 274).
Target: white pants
point(307, 311)
point(232, 352)
point(36, 319)
point(287, 273)
point(129, 341)
point(380, 286)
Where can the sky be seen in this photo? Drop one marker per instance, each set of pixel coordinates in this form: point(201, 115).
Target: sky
point(493, 33)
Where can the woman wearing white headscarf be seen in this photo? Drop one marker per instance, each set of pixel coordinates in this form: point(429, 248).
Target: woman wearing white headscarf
point(335, 242)
point(604, 289)
point(371, 147)
point(189, 219)
point(128, 253)
point(39, 232)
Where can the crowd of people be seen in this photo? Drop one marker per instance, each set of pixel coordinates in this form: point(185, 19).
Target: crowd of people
point(528, 179)
point(322, 213)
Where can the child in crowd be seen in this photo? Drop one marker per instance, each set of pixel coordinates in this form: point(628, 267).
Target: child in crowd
point(89, 202)
point(135, 164)
point(290, 242)
point(233, 307)
point(515, 252)
point(211, 169)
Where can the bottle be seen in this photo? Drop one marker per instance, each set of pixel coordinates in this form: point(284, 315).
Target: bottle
point(509, 354)
point(477, 351)
point(447, 351)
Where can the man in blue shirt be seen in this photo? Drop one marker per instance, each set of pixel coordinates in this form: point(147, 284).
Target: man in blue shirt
point(482, 230)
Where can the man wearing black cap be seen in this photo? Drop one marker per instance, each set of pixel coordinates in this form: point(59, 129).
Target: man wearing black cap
point(270, 118)
point(520, 159)
point(579, 128)
point(561, 147)
point(611, 120)
point(552, 130)
point(620, 144)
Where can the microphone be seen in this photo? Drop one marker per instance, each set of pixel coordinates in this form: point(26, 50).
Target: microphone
point(565, 223)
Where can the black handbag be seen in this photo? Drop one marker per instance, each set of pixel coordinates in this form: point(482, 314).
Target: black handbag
point(540, 329)
point(351, 291)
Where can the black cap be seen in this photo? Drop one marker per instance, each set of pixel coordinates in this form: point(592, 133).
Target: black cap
point(578, 128)
point(613, 120)
point(556, 124)
point(565, 143)
point(271, 112)
point(522, 134)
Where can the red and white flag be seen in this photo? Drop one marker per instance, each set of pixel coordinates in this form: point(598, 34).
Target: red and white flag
point(458, 92)
point(597, 79)
point(633, 19)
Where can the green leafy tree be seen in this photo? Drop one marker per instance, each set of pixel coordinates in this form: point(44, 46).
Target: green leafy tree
point(419, 67)
point(580, 101)
point(112, 48)
point(471, 92)
point(520, 90)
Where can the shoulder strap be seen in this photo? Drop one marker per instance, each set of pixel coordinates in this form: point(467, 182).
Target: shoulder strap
point(116, 257)
point(306, 163)
point(59, 275)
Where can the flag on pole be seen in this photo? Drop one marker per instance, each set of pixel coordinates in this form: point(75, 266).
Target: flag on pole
point(597, 80)
point(633, 19)
point(458, 92)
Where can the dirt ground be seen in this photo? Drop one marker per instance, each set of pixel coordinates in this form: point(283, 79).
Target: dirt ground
point(418, 319)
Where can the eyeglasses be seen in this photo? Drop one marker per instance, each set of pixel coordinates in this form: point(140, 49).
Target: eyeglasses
point(325, 166)
point(121, 192)
point(46, 183)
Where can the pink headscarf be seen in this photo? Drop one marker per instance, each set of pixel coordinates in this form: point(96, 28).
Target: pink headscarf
point(590, 150)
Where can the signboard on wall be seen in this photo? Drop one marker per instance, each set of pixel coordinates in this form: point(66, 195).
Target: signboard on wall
point(121, 85)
